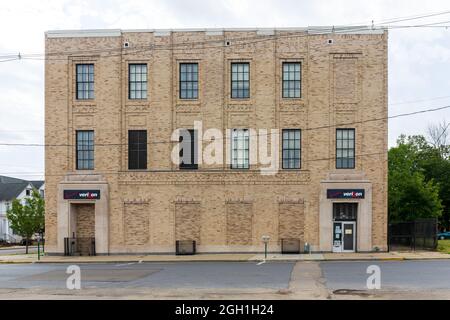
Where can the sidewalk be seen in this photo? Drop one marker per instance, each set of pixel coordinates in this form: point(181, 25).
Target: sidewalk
point(16, 247)
point(386, 256)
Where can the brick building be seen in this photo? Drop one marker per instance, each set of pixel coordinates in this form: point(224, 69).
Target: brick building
point(113, 102)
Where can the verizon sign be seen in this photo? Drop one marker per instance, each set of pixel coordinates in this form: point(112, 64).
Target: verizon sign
point(81, 194)
point(345, 193)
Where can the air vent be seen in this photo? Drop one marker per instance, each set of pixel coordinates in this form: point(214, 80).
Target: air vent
point(184, 247)
point(227, 43)
point(126, 44)
point(330, 41)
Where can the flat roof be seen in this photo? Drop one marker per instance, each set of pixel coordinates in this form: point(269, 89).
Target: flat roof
point(216, 31)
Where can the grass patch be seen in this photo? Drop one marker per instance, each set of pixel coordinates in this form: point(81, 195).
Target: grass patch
point(444, 246)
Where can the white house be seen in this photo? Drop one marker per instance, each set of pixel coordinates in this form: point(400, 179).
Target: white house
point(10, 189)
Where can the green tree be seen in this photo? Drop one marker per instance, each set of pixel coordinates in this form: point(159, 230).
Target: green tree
point(436, 167)
point(27, 219)
point(411, 194)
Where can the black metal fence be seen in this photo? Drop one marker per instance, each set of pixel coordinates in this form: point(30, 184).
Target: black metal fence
point(420, 234)
point(79, 246)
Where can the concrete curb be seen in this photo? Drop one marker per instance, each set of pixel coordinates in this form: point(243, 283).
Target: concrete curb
point(250, 260)
point(236, 260)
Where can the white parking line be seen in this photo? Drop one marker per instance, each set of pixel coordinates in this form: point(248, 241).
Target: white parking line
point(260, 263)
point(125, 264)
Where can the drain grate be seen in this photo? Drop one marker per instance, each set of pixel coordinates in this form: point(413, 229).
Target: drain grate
point(351, 292)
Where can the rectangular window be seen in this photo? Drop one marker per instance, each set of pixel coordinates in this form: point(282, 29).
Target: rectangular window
point(188, 149)
point(240, 149)
point(137, 149)
point(240, 80)
point(291, 80)
point(85, 81)
point(188, 80)
point(85, 150)
point(137, 81)
point(344, 211)
point(345, 148)
point(291, 148)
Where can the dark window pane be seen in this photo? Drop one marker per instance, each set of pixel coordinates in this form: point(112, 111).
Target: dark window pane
point(137, 81)
point(345, 148)
point(85, 150)
point(240, 80)
point(137, 149)
point(291, 80)
point(345, 211)
point(189, 150)
point(240, 149)
point(84, 81)
point(291, 148)
point(188, 81)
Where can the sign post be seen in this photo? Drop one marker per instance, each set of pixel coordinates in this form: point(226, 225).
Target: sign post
point(39, 247)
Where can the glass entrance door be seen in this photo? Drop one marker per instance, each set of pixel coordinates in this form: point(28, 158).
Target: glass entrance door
point(348, 236)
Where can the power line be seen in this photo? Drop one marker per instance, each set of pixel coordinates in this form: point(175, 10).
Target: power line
point(422, 16)
point(203, 42)
point(415, 101)
point(334, 29)
point(306, 129)
point(195, 171)
point(189, 45)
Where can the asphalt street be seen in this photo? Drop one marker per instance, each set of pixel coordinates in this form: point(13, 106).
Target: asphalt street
point(395, 275)
point(189, 278)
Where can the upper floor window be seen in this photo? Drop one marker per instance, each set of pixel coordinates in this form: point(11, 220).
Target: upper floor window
point(345, 148)
point(137, 149)
point(240, 80)
point(188, 80)
point(85, 81)
point(137, 81)
point(291, 148)
point(188, 149)
point(28, 192)
point(291, 80)
point(85, 150)
point(240, 149)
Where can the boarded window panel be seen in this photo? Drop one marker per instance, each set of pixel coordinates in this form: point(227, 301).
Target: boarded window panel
point(187, 221)
point(136, 223)
point(85, 220)
point(291, 221)
point(239, 223)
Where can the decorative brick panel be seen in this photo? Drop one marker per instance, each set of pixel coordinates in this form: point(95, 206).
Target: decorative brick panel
point(136, 223)
point(85, 217)
point(187, 221)
point(291, 221)
point(239, 223)
point(346, 79)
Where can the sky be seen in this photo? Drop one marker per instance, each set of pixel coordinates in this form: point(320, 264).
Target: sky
point(419, 58)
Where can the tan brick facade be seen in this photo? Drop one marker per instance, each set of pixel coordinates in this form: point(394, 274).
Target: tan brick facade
point(343, 85)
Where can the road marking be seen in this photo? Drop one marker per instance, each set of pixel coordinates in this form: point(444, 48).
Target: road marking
point(260, 263)
point(125, 264)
